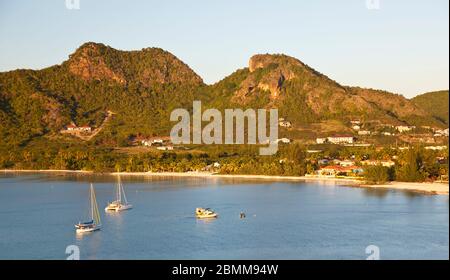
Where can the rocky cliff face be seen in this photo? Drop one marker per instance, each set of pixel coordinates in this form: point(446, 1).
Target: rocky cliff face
point(290, 84)
point(278, 69)
point(93, 61)
point(89, 64)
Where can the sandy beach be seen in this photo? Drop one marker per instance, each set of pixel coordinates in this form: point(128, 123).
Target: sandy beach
point(426, 188)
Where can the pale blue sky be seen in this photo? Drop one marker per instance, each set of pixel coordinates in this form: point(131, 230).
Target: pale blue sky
point(403, 47)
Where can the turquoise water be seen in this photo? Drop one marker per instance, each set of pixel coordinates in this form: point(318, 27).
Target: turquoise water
point(284, 220)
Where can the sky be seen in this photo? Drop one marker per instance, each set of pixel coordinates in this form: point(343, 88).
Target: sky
point(397, 45)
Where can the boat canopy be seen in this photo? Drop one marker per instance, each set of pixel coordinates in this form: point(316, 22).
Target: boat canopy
point(87, 223)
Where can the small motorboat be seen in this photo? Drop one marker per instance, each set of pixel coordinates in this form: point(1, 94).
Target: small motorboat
point(203, 213)
point(94, 223)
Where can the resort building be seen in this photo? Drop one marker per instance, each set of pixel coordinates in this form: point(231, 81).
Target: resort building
point(341, 139)
point(441, 133)
point(85, 128)
point(155, 141)
point(71, 127)
point(321, 140)
point(436, 148)
point(385, 163)
point(404, 128)
point(285, 124)
point(323, 161)
point(364, 132)
point(283, 140)
point(344, 162)
point(165, 148)
point(337, 170)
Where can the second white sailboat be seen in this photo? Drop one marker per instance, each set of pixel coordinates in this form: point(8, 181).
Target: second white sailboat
point(121, 203)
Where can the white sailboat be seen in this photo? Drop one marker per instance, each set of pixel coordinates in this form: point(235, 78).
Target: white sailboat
point(121, 203)
point(94, 224)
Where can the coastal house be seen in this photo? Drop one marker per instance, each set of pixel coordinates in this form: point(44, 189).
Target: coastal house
point(71, 127)
point(213, 167)
point(441, 133)
point(313, 151)
point(404, 128)
point(364, 132)
point(356, 127)
point(283, 141)
point(85, 128)
point(285, 124)
point(337, 170)
point(321, 140)
point(355, 122)
point(146, 143)
point(344, 162)
point(165, 148)
point(385, 133)
point(155, 141)
point(323, 161)
point(341, 139)
point(436, 148)
point(385, 163)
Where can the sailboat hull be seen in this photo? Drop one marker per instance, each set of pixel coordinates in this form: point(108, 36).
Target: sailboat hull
point(118, 207)
point(88, 229)
point(121, 203)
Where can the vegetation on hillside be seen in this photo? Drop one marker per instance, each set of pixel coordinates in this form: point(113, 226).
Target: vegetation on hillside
point(141, 88)
point(436, 103)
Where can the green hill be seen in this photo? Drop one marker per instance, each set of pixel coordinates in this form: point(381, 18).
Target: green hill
point(142, 87)
point(436, 103)
point(303, 95)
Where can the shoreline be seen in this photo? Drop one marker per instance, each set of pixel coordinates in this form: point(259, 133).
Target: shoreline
point(434, 188)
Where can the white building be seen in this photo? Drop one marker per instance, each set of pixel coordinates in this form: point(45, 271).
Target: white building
point(344, 162)
point(404, 128)
point(385, 163)
point(436, 148)
point(285, 124)
point(440, 133)
point(364, 132)
point(341, 139)
point(165, 148)
point(284, 140)
point(321, 140)
point(85, 128)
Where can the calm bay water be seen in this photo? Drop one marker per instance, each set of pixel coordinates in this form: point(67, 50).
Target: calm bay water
point(285, 220)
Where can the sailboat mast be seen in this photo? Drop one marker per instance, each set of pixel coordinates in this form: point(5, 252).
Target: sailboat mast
point(92, 202)
point(119, 189)
point(124, 196)
point(97, 213)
